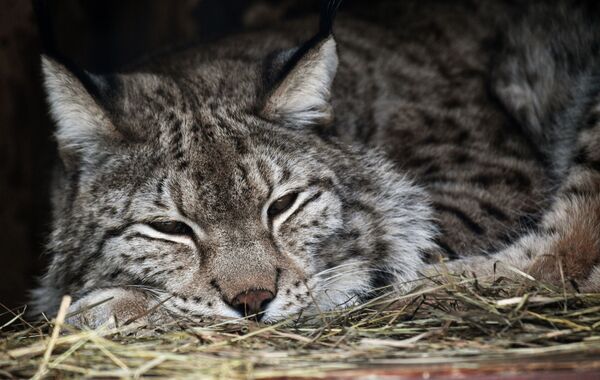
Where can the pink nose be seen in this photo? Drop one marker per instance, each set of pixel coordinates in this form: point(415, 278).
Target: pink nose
point(252, 301)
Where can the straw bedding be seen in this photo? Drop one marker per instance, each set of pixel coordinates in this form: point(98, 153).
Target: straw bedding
point(455, 321)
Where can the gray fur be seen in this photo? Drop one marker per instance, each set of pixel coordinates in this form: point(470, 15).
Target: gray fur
point(430, 142)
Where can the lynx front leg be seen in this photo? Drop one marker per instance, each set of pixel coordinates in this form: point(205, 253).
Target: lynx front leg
point(115, 307)
point(574, 221)
point(566, 246)
point(566, 250)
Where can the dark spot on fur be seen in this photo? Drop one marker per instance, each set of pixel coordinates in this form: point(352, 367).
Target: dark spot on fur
point(484, 180)
point(430, 140)
point(460, 158)
point(493, 211)
point(115, 274)
point(462, 216)
point(452, 103)
point(592, 121)
point(183, 165)
point(449, 252)
point(580, 157)
point(432, 169)
point(382, 280)
point(418, 162)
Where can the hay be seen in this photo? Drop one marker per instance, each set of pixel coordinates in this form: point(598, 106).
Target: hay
point(455, 321)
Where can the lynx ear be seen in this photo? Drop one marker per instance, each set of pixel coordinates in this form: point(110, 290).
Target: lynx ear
point(82, 124)
point(302, 96)
point(302, 89)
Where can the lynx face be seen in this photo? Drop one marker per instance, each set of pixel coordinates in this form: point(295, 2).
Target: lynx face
point(224, 224)
point(220, 194)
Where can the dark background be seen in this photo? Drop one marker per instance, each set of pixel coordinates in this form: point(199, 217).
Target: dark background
point(99, 36)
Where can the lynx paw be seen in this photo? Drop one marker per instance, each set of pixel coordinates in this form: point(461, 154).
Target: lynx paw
point(573, 252)
point(115, 307)
point(566, 252)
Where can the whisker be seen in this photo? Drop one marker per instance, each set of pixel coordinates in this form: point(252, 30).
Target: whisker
point(154, 291)
point(342, 274)
point(354, 263)
point(358, 271)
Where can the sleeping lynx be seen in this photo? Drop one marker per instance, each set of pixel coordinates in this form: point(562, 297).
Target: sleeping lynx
point(250, 176)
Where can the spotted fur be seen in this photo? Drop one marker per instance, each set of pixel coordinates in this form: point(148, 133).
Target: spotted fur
point(453, 129)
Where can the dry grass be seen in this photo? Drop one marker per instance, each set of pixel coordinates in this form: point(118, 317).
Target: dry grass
point(456, 321)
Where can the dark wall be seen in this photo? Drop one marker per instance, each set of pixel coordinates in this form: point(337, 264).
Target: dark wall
point(25, 148)
point(100, 36)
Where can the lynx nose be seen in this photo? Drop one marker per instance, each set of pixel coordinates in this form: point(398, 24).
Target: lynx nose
point(252, 301)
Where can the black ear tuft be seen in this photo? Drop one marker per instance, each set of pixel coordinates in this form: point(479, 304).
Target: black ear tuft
point(287, 60)
point(329, 10)
point(300, 79)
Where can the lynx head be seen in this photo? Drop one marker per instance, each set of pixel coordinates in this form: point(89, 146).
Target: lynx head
point(210, 180)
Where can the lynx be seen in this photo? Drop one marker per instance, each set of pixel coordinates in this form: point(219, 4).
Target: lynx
point(263, 176)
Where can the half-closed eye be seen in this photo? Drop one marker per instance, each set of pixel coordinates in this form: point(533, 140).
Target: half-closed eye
point(282, 204)
point(172, 227)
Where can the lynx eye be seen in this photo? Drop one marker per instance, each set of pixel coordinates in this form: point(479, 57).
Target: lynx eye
point(282, 204)
point(172, 228)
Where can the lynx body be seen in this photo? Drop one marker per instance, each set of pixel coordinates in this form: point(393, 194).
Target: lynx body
point(262, 175)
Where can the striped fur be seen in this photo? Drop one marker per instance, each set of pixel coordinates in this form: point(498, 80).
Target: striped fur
point(454, 130)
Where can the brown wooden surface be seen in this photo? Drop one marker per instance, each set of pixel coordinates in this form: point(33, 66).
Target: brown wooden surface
point(556, 368)
point(24, 153)
point(400, 373)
